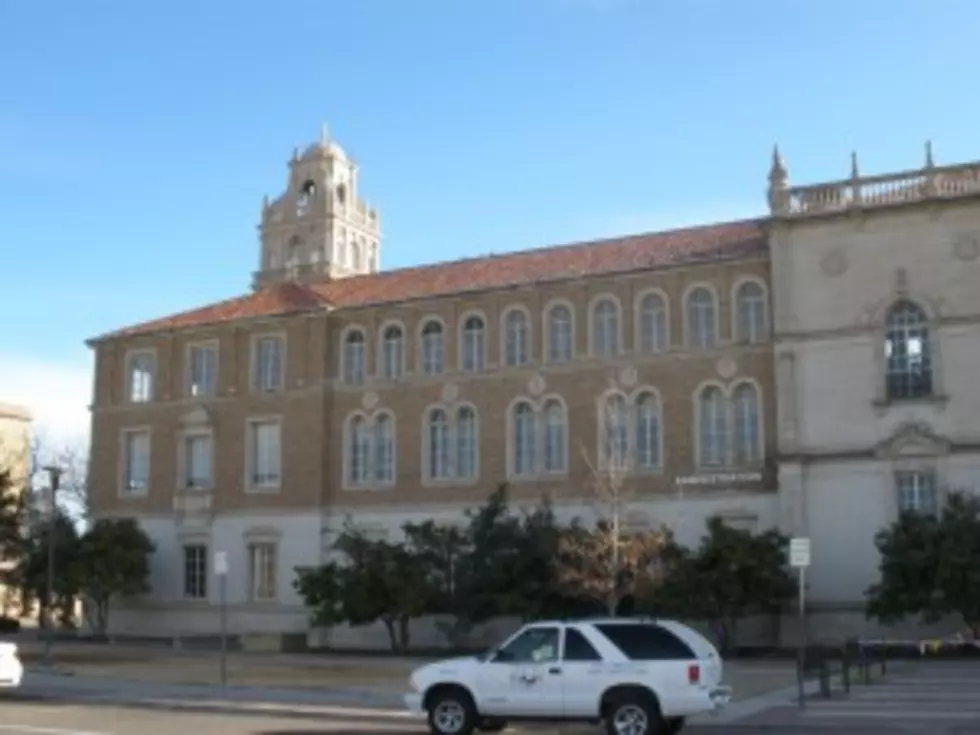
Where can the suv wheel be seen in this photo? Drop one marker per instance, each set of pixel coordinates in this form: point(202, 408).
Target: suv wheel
point(451, 713)
point(634, 715)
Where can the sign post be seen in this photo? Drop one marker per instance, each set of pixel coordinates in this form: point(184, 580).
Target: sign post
point(221, 572)
point(799, 559)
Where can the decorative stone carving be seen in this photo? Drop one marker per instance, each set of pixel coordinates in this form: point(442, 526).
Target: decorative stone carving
point(901, 281)
point(967, 248)
point(197, 416)
point(537, 385)
point(834, 263)
point(913, 438)
point(369, 400)
point(726, 367)
point(628, 376)
point(450, 393)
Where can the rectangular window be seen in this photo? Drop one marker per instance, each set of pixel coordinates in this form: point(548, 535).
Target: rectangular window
point(140, 372)
point(917, 491)
point(264, 453)
point(197, 461)
point(646, 642)
point(202, 370)
point(262, 562)
point(195, 572)
point(267, 364)
point(136, 461)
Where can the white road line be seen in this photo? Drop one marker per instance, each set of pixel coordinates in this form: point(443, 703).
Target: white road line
point(21, 729)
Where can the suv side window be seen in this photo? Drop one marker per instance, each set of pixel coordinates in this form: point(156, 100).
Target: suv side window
point(646, 642)
point(535, 645)
point(578, 648)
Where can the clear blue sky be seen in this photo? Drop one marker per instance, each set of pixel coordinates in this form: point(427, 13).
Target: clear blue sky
point(138, 138)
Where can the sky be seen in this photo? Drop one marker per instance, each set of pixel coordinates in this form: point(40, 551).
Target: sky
point(137, 139)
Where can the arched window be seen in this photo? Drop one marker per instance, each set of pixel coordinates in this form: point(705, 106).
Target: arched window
point(525, 446)
point(359, 461)
point(702, 321)
point(393, 350)
point(384, 449)
point(466, 443)
point(712, 427)
point(555, 437)
point(473, 344)
point(356, 250)
point(516, 339)
point(752, 317)
point(354, 357)
point(647, 432)
point(908, 352)
point(653, 323)
point(438, 437)
point(615, 433)
point(560, 338)
point(605, 328)
point(433, 348)
point(745, 419)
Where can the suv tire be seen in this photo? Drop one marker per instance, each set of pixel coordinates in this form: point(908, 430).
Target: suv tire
point(451, 712)
point(634, 714)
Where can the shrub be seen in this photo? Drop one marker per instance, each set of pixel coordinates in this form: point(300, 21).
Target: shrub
point(9, 625)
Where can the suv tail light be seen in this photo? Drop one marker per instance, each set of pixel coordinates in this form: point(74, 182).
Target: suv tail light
point(693, 674)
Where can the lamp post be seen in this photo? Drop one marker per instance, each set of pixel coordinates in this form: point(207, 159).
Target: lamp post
point(54, 479)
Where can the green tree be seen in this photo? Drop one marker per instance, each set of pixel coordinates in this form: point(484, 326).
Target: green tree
point(930, 566)
point(731, 575)
point(322, 591)
point(32, 571)
point(113, 561)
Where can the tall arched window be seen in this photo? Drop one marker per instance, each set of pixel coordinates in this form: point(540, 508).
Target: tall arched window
point(712, 427)
point(908, 352)
point(359, 462)
point(438, 437)
point(752, 313)
point(433, 348)
point(615, 433)
point(384, 449)
point(393, 353)
point(561, 341)
point(525, 445)
point(354, 357)
point(516, 339)
point(702, 321)
point(605, 328)
point(745, 430)
point(466, 443)
point(555, 437)
point(473, 345)
point(653, 323)
point(647, 432)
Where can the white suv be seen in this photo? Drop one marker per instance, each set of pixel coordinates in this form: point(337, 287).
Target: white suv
point(11, 669)
point(636, 676)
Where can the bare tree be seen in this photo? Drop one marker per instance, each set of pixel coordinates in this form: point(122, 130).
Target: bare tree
point(72, 460)
point(610, 560)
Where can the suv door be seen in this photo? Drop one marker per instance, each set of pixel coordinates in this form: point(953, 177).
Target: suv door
point(523, 677)
point(580, 664)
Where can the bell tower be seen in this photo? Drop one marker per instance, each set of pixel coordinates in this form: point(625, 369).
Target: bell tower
point(319, 227)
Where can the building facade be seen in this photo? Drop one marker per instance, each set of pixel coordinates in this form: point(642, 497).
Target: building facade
point(716, 362)
point(15, 458)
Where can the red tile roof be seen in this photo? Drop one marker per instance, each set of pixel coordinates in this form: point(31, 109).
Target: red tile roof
point(726, 241)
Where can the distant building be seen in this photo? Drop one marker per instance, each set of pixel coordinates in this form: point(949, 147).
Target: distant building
point(15, 457)
point(813, 370)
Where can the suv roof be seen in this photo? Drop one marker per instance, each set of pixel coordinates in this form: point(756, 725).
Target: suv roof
point(599, 620)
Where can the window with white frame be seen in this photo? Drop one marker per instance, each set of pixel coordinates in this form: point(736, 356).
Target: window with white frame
point(438, 445)
point(197, 460)
point(615, 431)
point(908, 353)
point(265, 453)
point(195, 572)
point(370, 450)
point(384, 449)
point(752, 313)
point(653, 326)
point(267, 364)
point(702, 319)
point(202, 370)
point(466, 443)
point(140, 373)
point(713, 436)
point(555, 436)
point(359, 454)
point(262, 568)
point(393, 352)
point(354, 357)
point(918, 491)
point(605, 328)
point(473, 345)
point(433, 348)
point(525, 444)
point(746, 434)
point(647, 441)
point(516, 338)
point(560, 334)
point(136, 461)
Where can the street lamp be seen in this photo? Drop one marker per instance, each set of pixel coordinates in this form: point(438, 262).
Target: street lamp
point(54, 479)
